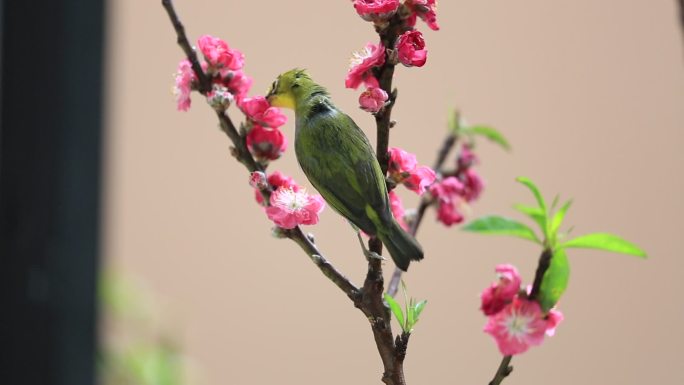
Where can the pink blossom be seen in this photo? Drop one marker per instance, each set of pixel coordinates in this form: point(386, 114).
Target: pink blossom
point(185, 77)
point(517, 326)
point(449, 194)
point(219, 55)
point(239, 84)
point(425, 9)
point(266, 143)
point(275, 180)
point(397, 210)
point(473, 185)
point(361, 65)
point(553, 319)
point(403, 168)
point(419, 179)
point(501, 292)
point(371, 10)
point(448, 214)
point(290, 208)
point(411, 49)
point(259, 110)
point(401, 161)
point(373, 99)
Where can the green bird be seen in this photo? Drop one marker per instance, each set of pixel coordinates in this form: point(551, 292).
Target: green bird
point(340, 163)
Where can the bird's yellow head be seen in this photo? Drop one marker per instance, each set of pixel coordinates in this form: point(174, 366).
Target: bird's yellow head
point(288, 88)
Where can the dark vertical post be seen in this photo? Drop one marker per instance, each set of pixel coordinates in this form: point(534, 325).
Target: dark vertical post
point(50, 150)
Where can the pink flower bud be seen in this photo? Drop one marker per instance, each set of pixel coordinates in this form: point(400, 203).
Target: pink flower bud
point(376, 10)
point(219, 97)
point(448, 193)
point(553, 319)
point(290, 208)
point(500, 293)
point(411, 49)
point(373, 99)
point(218, 54)
point(266, 143)
point(361, 65)
point(258, 180)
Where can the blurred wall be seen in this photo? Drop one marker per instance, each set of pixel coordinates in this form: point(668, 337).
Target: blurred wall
point(591, 96)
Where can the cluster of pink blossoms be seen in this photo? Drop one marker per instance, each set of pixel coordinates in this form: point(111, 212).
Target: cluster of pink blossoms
point(457, 190)
point(289, 205)
point(515, 322)
point(223, 65)
point(409, 48)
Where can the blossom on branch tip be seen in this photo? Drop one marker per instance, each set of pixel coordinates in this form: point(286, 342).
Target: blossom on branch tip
point(500, 293)
point(373, 99)
point(259, 110)
point(426, 10)
point(517, 326)
point(376, 10)
point(411, 49)
point(362, 63)
point(290, 208)
point(266, 143)
point(184, 79)
point(403, 168)
point(219, 55)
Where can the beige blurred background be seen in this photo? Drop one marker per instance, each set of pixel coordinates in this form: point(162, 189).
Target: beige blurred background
point(590, 94)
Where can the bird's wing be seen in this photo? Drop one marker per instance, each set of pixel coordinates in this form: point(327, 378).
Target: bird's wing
point(340, 163)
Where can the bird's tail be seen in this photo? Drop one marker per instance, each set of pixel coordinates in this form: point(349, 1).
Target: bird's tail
point(401, 245)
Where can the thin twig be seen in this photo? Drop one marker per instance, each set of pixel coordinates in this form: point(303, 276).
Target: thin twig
point(681, 14)
point(504, 370)
point(204, 81)
point(322, 263)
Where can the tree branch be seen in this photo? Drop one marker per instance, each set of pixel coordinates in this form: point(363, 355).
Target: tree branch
point(368, 299)
point(504, 370)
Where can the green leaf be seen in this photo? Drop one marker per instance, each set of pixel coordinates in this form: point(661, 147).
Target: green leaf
point(419, 308)
point(489, 133)
point(396, 309)
point(558, 218)
point(537, 195)
point(605, 241)
point(501, 226)
point(535, 213)
point(555, 280)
